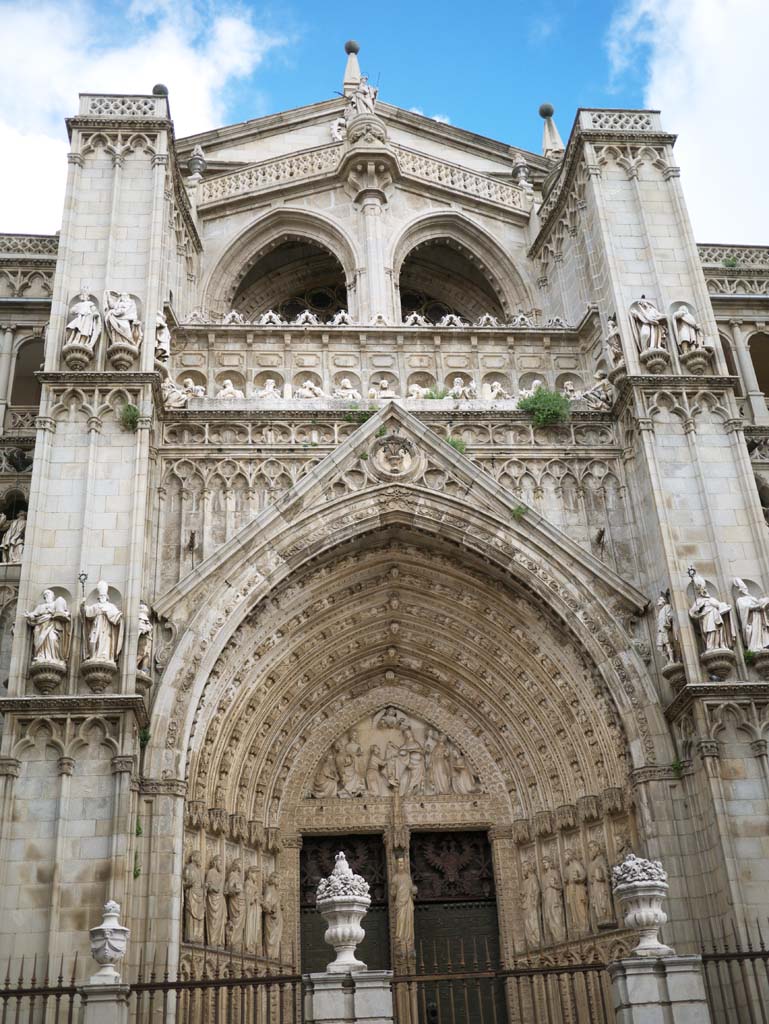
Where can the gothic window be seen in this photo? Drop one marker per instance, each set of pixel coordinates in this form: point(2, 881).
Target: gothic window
point(26, 387)
point(759, 353)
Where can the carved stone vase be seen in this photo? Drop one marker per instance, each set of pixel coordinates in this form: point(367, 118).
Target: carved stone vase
point(655, 360)
point(343, 901)
point(108, 945)
point(98, 673)
point(76, 357)
point(641, 886)
point(46, 675)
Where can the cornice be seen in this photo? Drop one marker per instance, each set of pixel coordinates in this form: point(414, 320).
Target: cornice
point(78, 704)
point(163, 787)
point(730, 690)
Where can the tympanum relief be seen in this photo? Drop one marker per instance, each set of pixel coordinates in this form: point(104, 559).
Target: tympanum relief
point(392, 752)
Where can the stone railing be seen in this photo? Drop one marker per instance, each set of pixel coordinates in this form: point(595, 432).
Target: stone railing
point(29, 245)
point(452, 176)
point(271, 173)
point(735, 257)
point(20, 420)
point(618, 120)
point(96, 105)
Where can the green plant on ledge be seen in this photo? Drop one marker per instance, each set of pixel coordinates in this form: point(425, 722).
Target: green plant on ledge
point(750, 657)
point(144, 737)
point(129, 417)
point(677, 767)
point(358, 417)
point(457, 444)
point(730, 262)
point(519, 512)
point(546, 407)
point(436, 394)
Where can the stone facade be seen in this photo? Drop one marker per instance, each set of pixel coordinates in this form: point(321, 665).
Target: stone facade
point(297, 563)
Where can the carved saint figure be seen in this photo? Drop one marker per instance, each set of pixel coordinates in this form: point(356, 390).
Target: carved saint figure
point(376, 780)
point(144, 647)
point(754, 617)
point(417, 391)
point(215, 909)
point(462, 780)
point(531, 898)
point(570, 392)
point(600, 893)
point(412, 756)
point(439, 767)
point(162, 338)
point(346, 390)
point(688, 332)
point(173, 396)
point(614, 343)
point(121, 319)
point(194, 899)
point(12, 544)
point(192, 389)
point(326, 779)
point(273, 918)
point(381, 390)
point(498, 392)
point(457, 389)
point(229, 392)
point(105, 636)
point(85, 326)
point(649, 325)
point(575, 881)
point(236, 905)
point(713, 616)
point(666, 639)
point(270, 390)
point(252, 895)
point(601, 395)
point(402, 893)
point(552, 901)
point(309, 389)
point(363, 100)
point(50, 629)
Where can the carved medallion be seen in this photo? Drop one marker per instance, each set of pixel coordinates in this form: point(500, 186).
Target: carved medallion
point(394, 458)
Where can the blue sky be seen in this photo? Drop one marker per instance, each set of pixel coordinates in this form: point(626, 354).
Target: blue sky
point(485, 67)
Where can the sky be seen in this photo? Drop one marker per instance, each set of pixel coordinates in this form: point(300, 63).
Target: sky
point(485, 67)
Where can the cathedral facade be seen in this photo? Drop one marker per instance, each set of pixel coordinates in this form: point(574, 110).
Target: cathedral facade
point(369, 484)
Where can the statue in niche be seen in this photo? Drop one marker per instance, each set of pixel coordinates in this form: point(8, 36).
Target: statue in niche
point(552, 901)
point(173, 396)
point(649, 325)
point(144, 647)
point(85, 326)
point(614, 343)
point(121, 319)
point(309, 389)
point(713, 617)
point(228, 392)
point(601, 395)
point(439, 767)
point(346, 390)
point(252, 897)
point(363, 100)
point(270, 390)
point(531, 899)
point(754, 617)
point(528, 392)
point(105, 635)
point(575, 882)
point(215, 908)
point(236, 905)
point(382, 390)
point(458, 389)
point(688, 332)
point(162, 338)
point(462, 780)
point(193, 390)
point(50, 622)
point(326, 779)
point(194, 887)
point(402, 893)
point(412, 753)
point(570, 392)
point(273, 918)
point(12, 544)
point(666, 638)
point(376, 779)
point(498, 392)
point(599, 886)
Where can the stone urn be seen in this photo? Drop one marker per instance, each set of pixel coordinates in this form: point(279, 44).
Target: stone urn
point(718, 662)
point(655, 360)
point(343, 900)
point(640, 886)
point(108, 945)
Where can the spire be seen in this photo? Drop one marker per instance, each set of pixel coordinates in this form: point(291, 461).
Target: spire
point(552, 144)
point(352, 70)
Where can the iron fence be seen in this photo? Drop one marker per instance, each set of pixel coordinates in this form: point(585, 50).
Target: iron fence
point(45, 997)
point(736, 966)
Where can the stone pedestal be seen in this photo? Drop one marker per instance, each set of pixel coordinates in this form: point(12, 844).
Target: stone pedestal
point(104, 1004)
point(667, 990)
point(349, 999)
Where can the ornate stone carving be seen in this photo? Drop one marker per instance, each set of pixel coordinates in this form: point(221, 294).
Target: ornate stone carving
point(650, 331)
point(83, 331)
point(343, 900)
point(531, 901)
point(601, 395)
point(598, 879)
point(252, 895)
point(309, 389)
point(123, 327)
point(108, 945)
point(236, 906)
point(12, 544)
point(641, 885)
point(174, 397)
point(193, 884)
point(144, 647)
point(714, 619)
point(50, 624)
point(552, 901)
point(103, 639)
point(228, 392)
point(693, 350)
point(394, 457)
point(162, 339)
point(575, 882)
point(216, 914)
point(346, 391)
point(273, 917)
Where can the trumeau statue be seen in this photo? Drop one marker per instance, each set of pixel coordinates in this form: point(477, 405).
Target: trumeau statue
point(121, 319)
point(104, 622)
point(402, 893)
point(649, 325)
point(193, 884)
point(667, 644)
point(50, 623)
point(85, 326)
point(753, 613)
point(531, 899)
point(713, 617)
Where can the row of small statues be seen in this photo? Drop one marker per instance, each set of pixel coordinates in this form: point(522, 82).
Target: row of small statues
point(714, 620)
point(51, 619)
point(121, 321)
point(409, 768)
point(598, 397)
point(12, 533)
point(342, 318)
point(650, 331)
point(556, 904)
point(233, 910)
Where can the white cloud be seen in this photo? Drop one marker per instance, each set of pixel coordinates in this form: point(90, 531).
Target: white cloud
point(53, 51)
point(440, 118)
point(704, 64)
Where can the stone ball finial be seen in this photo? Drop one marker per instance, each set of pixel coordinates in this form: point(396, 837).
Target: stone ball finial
point(351, 46)
point(159, 90)
point(546, 110)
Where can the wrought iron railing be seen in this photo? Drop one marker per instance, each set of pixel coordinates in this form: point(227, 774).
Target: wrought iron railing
point(36, 993)
point(736, 965)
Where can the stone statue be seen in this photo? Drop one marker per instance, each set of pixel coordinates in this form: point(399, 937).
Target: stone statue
point(439, 767)
point(12, 544)
point(614, 343)
point(346, 390)
point(194, 900)
point(531, 899)
point(754, 617)
point(340, 319)
point(382, 390)
point(713, 617)
point(498, 392)
point(600, 892)
point(121, 319)
point(193, 390)
point(688, 332)
point(326, 779)
point(85, 326)
point(270, 390)
point(402, 893)
point(601, 395)
point(376, 779)
point(363, 100)
point(575, 882)
point(144, 647)
point(273, 918)
point(649, 325)
point(552, 901)
point(50, 622)
point(236, 905)
point(462, 780)
point(570, 392)
point(105, 636)
point(229, 392)
point(413, 775)
point(162, 338)
point(417, 391)
point(252, 894)
point(528, 392)
point(173, 396)
point(457, 389)
point(309, 389)
point(666, 639)
point(215, 909)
